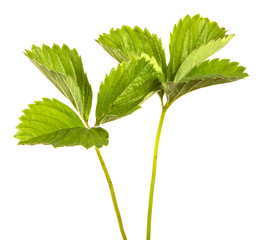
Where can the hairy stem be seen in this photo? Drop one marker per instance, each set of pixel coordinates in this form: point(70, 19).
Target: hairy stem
point(154, 167)
point(117, 211)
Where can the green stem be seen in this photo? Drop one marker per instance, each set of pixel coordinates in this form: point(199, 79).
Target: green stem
point(153, 176)
point(112, 193)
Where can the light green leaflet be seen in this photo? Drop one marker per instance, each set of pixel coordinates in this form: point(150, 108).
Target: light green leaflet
point(199, 55)
point(126, 87)
point(190, 34)
point(54, 123)
point(64, 68)
point(125, 43)
point(207, 74)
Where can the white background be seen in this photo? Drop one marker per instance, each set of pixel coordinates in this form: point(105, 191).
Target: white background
point(208, 184)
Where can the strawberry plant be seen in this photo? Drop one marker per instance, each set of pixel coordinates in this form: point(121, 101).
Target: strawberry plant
point(141, 72)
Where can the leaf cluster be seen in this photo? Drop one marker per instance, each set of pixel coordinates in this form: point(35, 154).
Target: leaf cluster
point(142, 71)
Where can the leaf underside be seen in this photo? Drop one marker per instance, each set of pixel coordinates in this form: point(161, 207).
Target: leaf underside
point(127, 42)
point(206, 74)
point(64, 68)
point(126, 87)
point(51, 122)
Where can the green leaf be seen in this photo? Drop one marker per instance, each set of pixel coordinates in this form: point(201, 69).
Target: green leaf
point(54, 123)
point(188, 35)
point(206, 74)
point(217, 68)
point(197, 56)
point(124, 43)
point(64, 68)
point(126, 87)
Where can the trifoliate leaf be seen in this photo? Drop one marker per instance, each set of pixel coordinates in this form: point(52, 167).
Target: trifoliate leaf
point(190, 34)
point(126, 87)
point(124, 43)
point(206, 74)
point(64, 68)
point(54, 123)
